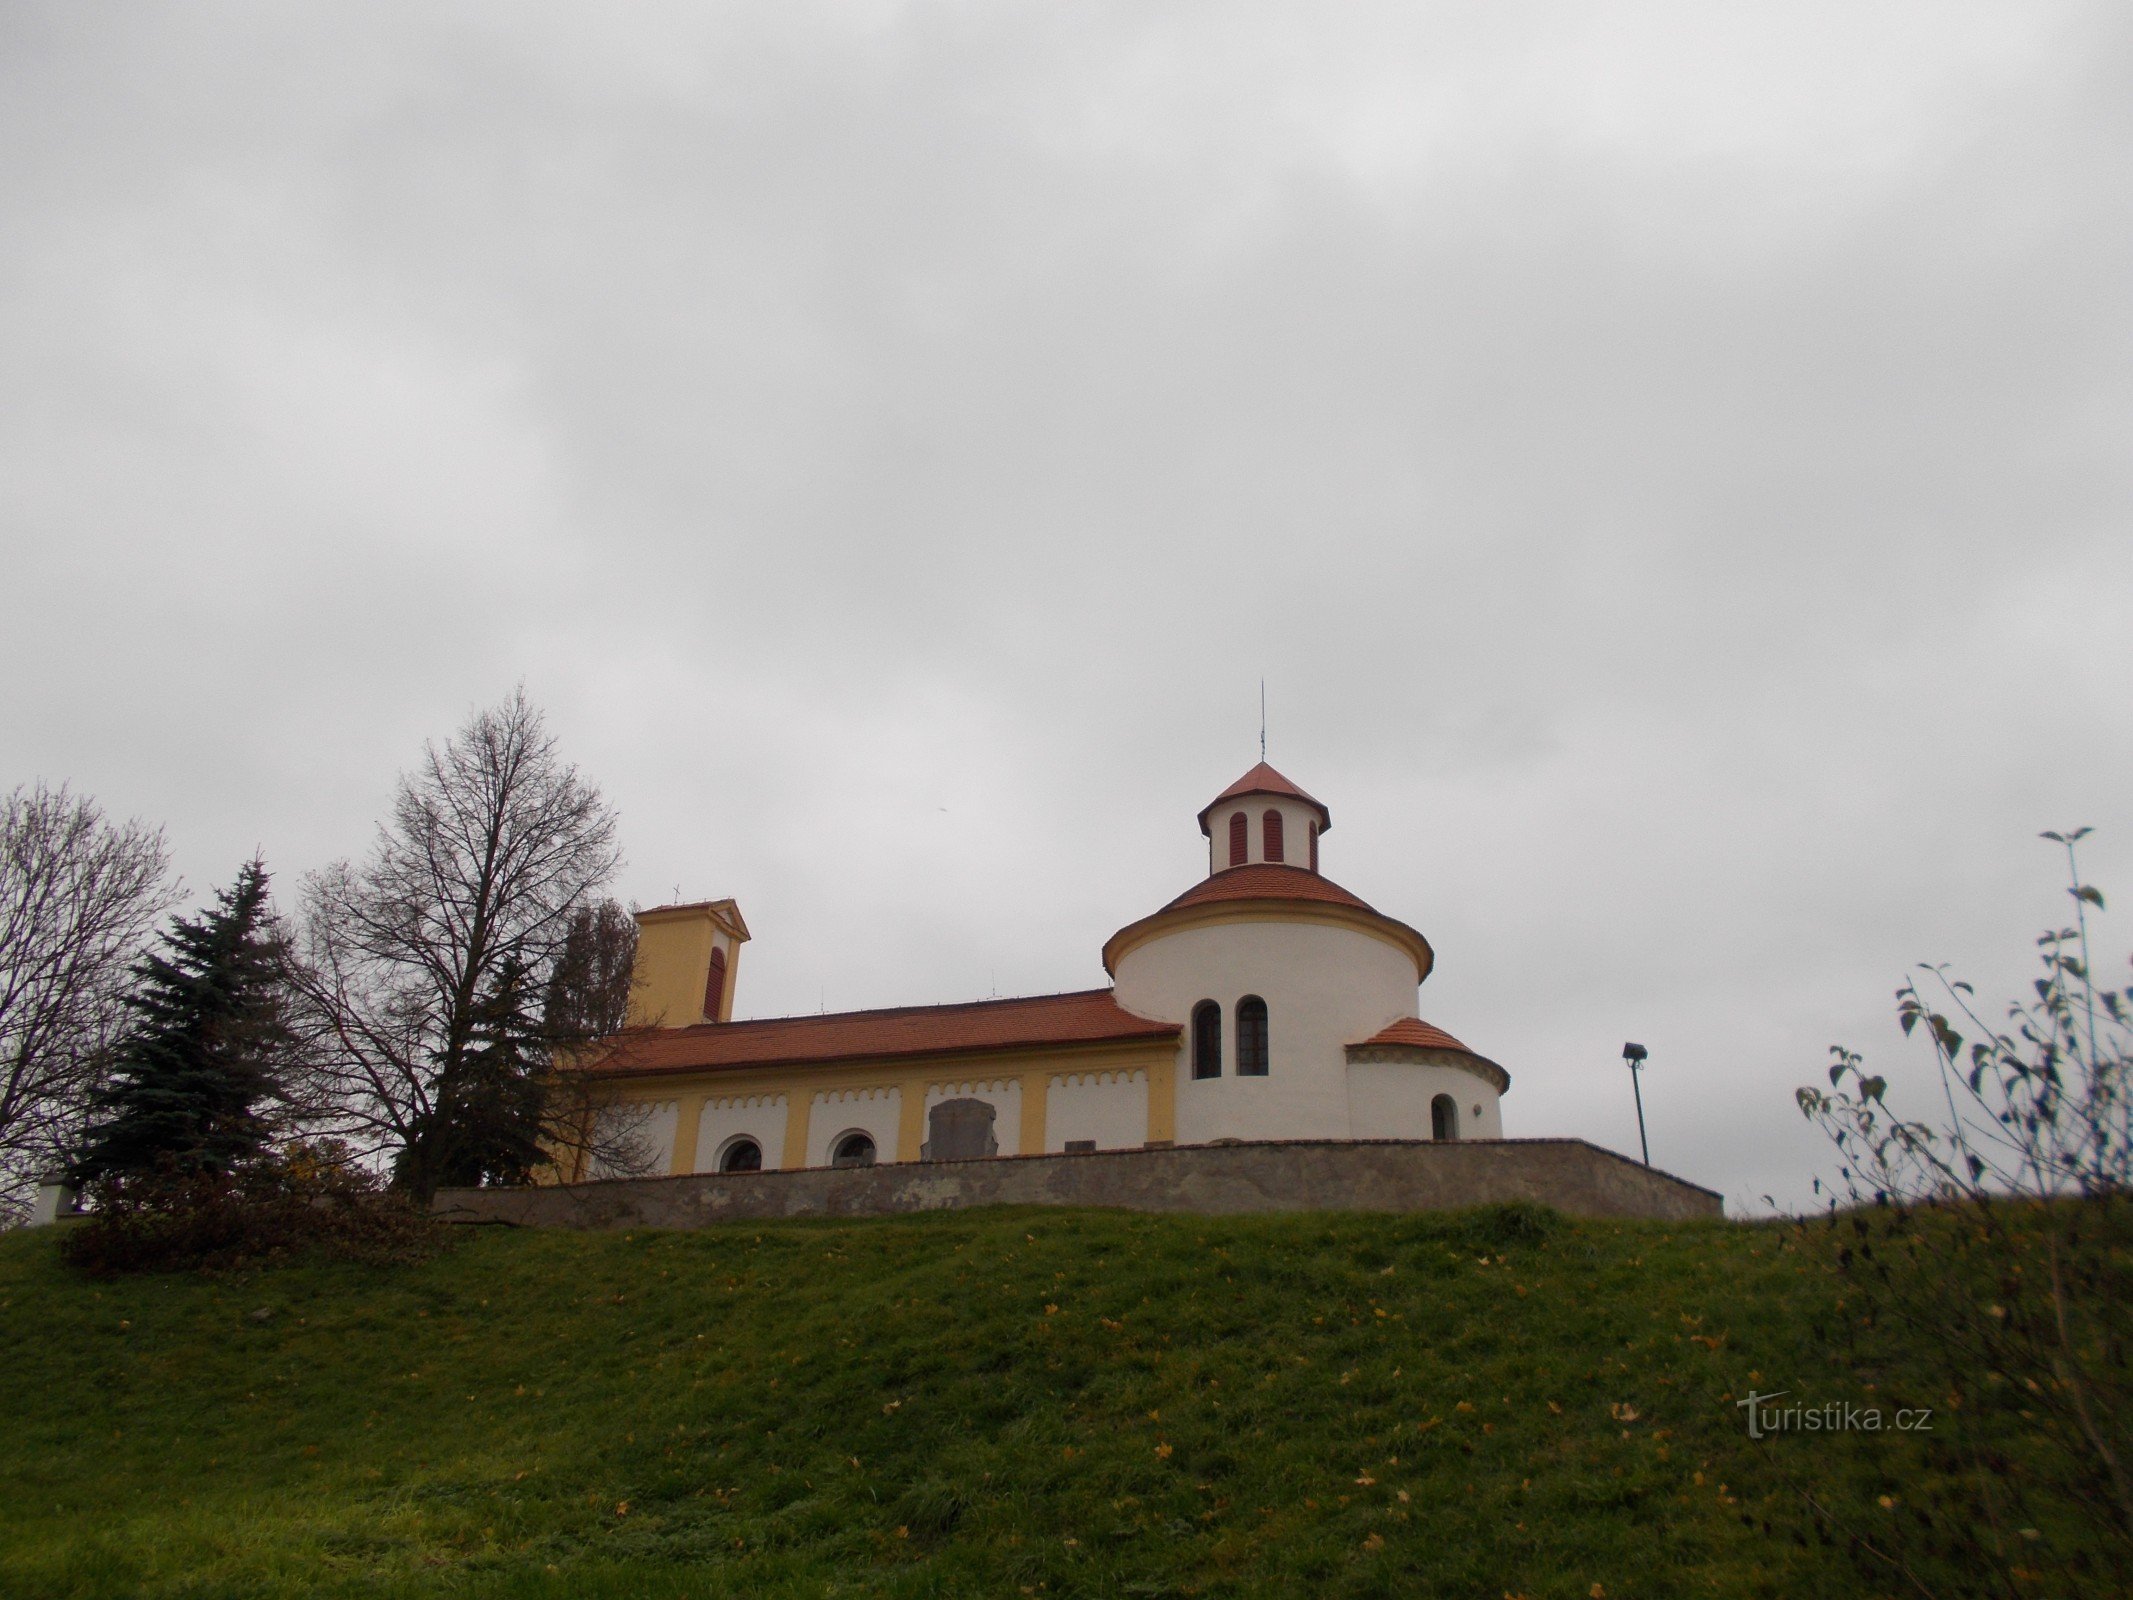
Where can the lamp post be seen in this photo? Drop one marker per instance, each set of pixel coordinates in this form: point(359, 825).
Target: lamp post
point(1634, 1054)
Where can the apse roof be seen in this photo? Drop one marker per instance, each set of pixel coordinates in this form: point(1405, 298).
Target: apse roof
point(1413, 1030)
point(1417, 1034)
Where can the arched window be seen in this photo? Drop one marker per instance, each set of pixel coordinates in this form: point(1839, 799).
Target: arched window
point(715, 984)
point(1237, 838)
point(1443, 1118)
point(1251, 1037)
point(853, 1150)
point(1271, 824)
point(1314, 847)
point(1207, 1040)
point(743, 1155)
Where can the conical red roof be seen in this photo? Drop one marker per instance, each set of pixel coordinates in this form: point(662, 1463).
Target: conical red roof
point(1267, 881)
point(1413, 1030)
point(1263, 779)
point(1268, 885)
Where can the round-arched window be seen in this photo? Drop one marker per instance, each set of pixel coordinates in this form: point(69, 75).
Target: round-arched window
point(853, 1150)
point(743, 1155)
point(715, 987)
point(1443, 1118)
point(1251, 1037)
point(1207, 1040)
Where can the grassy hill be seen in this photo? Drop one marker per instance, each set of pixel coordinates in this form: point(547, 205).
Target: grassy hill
point(977, 1403)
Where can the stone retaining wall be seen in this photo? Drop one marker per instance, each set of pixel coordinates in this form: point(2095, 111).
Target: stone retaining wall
point(1214, 1179)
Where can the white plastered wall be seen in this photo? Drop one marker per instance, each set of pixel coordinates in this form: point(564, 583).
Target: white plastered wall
point(1004, 1095)
point(647, 1124)
point(760, 1117)
point(833, 1114)
point(1296, 821)
point(1108, 1107)
point(1326, 986)
point(1391, 1099)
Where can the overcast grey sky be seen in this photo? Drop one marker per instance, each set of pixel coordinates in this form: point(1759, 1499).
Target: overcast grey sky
point(1670, 464)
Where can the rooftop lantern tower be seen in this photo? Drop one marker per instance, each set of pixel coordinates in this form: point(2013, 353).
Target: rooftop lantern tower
point(1263, 820)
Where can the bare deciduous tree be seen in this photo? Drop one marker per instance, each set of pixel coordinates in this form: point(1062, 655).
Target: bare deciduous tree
point(78, 898)
point(494, 845)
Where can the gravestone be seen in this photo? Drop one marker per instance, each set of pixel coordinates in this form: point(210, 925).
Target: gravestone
point(960, 1130)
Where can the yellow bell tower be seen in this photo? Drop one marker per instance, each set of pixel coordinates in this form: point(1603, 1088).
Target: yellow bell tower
point(688, 959)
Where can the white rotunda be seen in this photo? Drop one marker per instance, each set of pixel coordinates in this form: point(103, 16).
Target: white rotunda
point(1296, 1000)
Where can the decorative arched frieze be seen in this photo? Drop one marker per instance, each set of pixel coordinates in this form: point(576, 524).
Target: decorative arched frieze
point(725, 1118)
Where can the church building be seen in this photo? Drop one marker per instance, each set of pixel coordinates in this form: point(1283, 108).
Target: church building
point(1266, 1002)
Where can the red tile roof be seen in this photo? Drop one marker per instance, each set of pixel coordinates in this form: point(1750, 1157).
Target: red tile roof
point(1265, 881)
point(1413, 1030)
point(1415, 1033)
point(1263, 779)
point(1091, 1016)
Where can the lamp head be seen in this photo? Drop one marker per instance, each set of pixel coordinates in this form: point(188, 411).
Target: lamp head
point(1633, 1053)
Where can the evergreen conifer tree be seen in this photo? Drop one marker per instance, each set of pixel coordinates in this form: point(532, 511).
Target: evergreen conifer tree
point(485, 1126)
point(203, 1053)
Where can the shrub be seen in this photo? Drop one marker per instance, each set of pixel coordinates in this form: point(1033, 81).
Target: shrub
point(1514, 1222)
point(2000, 1243)
point(306, 1200)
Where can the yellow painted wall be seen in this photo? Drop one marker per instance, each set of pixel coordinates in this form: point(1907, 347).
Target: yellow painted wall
point(674, 945)
point(1033, 1068)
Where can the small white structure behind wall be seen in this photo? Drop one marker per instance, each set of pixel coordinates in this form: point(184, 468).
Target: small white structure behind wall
point(56, 1198)
point(1110, 1108)
point(760, 1117)
point(648, 1127)
point(1004, 1095)
point(874, 1112)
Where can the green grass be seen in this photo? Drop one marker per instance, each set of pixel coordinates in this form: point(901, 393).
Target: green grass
point(974, 1403)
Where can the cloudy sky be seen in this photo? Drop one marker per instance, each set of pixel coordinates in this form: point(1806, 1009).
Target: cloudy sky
point(1669, 464)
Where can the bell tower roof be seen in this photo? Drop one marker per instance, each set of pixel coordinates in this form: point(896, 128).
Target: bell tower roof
point(1263, 779)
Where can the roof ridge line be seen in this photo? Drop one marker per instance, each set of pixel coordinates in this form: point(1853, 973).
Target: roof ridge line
point(888, 1011)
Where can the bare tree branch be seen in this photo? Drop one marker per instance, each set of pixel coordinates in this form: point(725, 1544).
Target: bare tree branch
point(79, 897)
point(493, 845)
